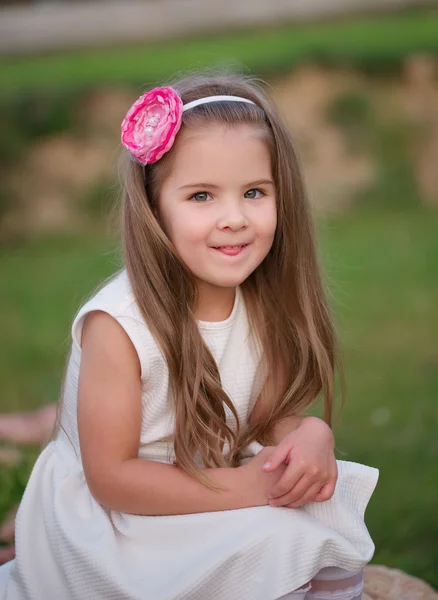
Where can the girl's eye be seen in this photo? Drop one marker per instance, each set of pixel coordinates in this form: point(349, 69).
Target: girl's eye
point(200, 196)
point(254, 194)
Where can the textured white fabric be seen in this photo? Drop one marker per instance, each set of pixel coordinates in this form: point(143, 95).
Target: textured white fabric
point(69, 547)
point(336, 584)
point(350, 593)
point(4, 574)
point(297, 595)
point(336, 574)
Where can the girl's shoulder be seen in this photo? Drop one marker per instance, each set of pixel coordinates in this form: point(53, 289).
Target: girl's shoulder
point(116, 298)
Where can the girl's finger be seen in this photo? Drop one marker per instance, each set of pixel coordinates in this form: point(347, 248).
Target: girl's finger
point(289, 480)
point(278, 457)
point(307, 497)
point(326, 492)
point(292, 494)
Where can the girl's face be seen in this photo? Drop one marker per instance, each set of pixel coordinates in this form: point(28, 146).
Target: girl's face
point(218, 205)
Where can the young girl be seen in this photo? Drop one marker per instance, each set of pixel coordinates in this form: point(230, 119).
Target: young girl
point(214, 339)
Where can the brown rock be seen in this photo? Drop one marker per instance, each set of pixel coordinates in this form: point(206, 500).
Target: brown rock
point(382, 583)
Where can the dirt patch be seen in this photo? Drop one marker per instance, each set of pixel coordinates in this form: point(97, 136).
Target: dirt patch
point(59, 172)
point(419, 101)
point(332, 173)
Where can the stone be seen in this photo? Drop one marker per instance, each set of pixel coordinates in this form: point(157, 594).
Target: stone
point(383, 583)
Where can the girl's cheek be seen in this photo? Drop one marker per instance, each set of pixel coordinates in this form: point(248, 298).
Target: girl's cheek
point(192, 236)
point(198, 231)
point(269, 223)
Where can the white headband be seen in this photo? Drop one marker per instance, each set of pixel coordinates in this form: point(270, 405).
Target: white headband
point(216, 99)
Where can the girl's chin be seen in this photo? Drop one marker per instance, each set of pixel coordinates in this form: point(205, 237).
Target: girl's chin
point(226, 282)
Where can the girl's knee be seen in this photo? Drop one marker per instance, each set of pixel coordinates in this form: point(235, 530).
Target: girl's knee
point(331, 583)
point(334, 583)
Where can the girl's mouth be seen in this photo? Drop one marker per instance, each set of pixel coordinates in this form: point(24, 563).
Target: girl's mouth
point(231, 250)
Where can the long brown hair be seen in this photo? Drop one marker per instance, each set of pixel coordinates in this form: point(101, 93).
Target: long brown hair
point(284, 296)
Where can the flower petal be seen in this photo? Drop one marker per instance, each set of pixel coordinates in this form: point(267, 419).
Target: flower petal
point(151, 124)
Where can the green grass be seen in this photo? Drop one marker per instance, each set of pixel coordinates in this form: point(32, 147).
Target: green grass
point(381, 270)
point(47, 280)
point(377, 43)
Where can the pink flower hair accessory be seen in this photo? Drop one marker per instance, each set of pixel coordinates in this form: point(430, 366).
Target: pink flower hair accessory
point(151, 124)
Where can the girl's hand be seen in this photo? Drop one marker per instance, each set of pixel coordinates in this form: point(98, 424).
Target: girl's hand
point(256, 481)
point(311, 473)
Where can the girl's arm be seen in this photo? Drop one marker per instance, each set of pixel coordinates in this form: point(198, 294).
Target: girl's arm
point(109, 421)
point(315, 426)
point(285, 426)
point(288, 424)
point(306, 446)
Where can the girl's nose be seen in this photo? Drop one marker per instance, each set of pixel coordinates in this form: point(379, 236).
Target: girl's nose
point(233, 217)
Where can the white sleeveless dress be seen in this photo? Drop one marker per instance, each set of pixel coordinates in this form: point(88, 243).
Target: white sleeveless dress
point(69, 547)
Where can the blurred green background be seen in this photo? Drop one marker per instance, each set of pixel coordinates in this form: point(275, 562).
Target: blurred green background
point(361, 96)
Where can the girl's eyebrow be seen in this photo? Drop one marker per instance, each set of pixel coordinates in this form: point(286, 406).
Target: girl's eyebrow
point(211, 185)
point(259, 182)
point(198, 185)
